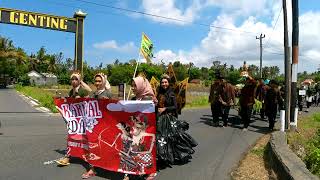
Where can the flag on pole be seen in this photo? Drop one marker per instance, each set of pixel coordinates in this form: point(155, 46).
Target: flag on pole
point(146, 48)
point(171, 74)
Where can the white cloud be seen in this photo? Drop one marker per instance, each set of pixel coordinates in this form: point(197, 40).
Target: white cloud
point(113, 45)
point(132, 106)
point(233, 47)
point(167, 8)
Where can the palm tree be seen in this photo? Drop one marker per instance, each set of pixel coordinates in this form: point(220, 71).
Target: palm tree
point(52, 64)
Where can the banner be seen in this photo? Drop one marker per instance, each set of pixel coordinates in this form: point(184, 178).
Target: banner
point(114, 135)
point(146, 48)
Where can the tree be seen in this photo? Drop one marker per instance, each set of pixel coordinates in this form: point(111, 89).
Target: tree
point(195, 73)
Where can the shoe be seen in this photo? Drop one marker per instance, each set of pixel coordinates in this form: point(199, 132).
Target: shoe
point(63, 162)
point(88, 175)
point(244, 129)
point(151, 176)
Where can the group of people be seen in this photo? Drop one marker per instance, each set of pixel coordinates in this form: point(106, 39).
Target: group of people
point(174, 145)
point(309, 98)
point(223, 96)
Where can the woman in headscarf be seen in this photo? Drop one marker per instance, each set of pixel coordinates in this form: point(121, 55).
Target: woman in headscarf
point(79, 90)
point(103, 87)
point(103, 91)
point(174, 145)
point(143, 91)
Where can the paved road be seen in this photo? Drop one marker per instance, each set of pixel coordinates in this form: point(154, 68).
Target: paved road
point(31, 138)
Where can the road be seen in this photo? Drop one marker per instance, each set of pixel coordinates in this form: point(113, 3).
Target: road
point(31, 138)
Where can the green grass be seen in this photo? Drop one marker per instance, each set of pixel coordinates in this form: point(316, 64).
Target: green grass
point(45, 98)
point(307, 139)
point(259, 151)
point(197, 101)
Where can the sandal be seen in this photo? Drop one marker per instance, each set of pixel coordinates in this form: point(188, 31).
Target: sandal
point(151, 176)
point(63, 161)
point(88, 175)
point(126, 177)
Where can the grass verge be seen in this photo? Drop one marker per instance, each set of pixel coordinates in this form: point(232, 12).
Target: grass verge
point(45, 98)
point(306, 142)
point(197, 101)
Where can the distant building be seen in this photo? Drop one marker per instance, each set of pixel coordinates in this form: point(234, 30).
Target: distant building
point(42, 78)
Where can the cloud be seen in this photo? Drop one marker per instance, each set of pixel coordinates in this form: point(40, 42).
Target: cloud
point(234, 47)
point(167, 8)
point(113, 45)
point(193, 9)
point(132, 106)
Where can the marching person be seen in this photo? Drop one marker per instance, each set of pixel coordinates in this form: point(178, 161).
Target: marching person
point(103, 91)
point(272, 101)
point(260, 96)
point(215, 104)
point(142, 90)
point(246, 101)
point(174, 145)
point(226, 98)
point(79, 90)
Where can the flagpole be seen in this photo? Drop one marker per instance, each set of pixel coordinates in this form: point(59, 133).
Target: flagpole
point(134, 75)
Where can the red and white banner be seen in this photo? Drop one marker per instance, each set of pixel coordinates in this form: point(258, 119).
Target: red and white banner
point(114, 135)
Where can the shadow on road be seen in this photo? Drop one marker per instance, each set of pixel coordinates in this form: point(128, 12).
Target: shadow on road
point(234, 121)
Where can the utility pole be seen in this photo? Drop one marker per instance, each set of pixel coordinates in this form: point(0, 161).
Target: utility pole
point(260, 38)
point(295, 55)
point(286, 66)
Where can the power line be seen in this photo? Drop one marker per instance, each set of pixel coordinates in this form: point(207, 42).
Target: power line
point(266, 45)
point(162, 17)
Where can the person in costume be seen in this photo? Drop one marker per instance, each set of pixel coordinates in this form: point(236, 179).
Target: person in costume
point(174, 145)
point(79, 90)
point(215, 104)
point(246, 101)
point(272, 100)
point(103, 91)
point(226, 99)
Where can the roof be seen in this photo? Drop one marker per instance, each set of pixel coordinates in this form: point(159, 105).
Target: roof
point(48, 75)
point(36, 74)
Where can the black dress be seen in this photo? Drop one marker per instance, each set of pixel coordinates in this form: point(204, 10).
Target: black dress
point(174, 145)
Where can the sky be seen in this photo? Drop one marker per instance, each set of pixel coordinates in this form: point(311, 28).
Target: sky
point(204, 30)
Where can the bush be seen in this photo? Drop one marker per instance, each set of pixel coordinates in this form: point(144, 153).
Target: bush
point(312, 159)
point(24, 80)
point(207, 83)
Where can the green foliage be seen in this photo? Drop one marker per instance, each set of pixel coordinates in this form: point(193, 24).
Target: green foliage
point(259, 151)
point(121, 74)
point(45, 98)
point(312, 159)
point(207, 83)
point(257, 105)
point(24, 80)
point(195, 73)
point(233, 77)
